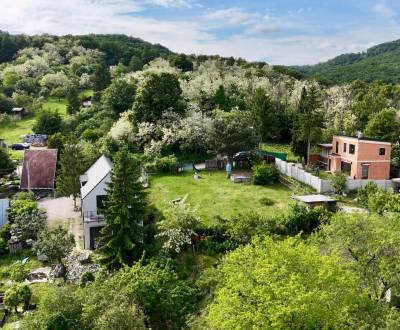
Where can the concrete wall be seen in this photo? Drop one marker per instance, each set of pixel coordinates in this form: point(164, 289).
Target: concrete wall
point(4, 204)
point(322, 186)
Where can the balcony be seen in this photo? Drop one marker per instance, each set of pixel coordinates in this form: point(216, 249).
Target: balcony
point(91, 216)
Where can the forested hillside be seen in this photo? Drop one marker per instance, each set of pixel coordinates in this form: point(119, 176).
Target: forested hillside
point(381, 62)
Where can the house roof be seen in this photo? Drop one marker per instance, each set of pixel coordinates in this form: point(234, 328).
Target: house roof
point(95, 174)
point(325, 145)
point(17, 109)
point(362, 139)
point(39, 169)
point(314, 198)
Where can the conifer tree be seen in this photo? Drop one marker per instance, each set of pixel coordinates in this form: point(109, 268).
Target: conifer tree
point(125, 208)
point(72, 165)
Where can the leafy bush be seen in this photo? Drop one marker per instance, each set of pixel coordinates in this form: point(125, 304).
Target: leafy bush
point(338, 182)
point(267, 201)
point(162, 164)
point(304, 219)
point(7, 166)
point(366, 191)
point(19, 293)
point(264, 174)
point(86, 278)
point(47, 122)
point(18, 272)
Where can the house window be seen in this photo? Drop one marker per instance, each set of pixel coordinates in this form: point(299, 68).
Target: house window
point(344, 147)
point(352, 149)
point(365, 171)
point(337, 147)
point(381, 151)
point(345, 168)
point(100, 199)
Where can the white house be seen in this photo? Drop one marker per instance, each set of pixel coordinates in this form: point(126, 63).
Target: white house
point(93, 192)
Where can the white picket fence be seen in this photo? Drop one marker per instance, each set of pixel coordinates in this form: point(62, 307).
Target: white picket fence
point(320, 185)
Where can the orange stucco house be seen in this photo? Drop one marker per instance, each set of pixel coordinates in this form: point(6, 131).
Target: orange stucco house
point(359, 158)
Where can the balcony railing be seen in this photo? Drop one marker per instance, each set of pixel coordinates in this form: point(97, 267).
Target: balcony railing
point(91, 216)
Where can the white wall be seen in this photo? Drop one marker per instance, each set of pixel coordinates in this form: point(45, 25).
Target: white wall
point(320, 185)
point(4, 204)
point(89, 203)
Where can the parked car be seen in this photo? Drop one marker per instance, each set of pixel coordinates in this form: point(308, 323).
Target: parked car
point(20, 146)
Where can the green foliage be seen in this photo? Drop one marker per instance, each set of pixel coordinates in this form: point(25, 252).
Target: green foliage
point(338, 182)
point(19, 293)
point(18, 272)
point(371, 245)
point(288, 284)
point(384, 126)
point(6, 104)
point(265, 115)
point(119, 96)
point(22, 203)
point(72, 165)
point(28, 225)
point(164, 298)
point(178, 228)
point(309, 120)
point(379, 62)
point(304, 219)
point(73, 102)
point(240, 229)
point(157, 94)
point(101, 77)
point(56, 141)
point(161, 164)
point(182, 62)
point(363, 193)
point(7, 166)
point(47, 122)
point(264, 174)
point(125, 210)
point(233, 132)
point(55, 243)
point(86, 279)
point(378, 201)
point(67, 315)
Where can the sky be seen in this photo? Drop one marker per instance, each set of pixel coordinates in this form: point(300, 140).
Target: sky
point(290, 32)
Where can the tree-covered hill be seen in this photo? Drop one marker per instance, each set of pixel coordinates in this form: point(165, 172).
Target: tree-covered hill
point(117, 48)
point(381, 62)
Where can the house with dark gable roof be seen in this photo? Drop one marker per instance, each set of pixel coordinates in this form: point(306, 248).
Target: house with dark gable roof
point(39, 169)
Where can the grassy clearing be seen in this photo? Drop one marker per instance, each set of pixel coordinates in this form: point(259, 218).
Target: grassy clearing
point(214, 195)
point(280, 147)
point(7, 260)
point(13, 132)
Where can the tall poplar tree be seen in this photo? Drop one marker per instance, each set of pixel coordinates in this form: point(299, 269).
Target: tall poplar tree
point(125, 209)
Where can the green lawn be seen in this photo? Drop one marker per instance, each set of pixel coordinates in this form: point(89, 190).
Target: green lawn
point(14, 132)
point(280, 147)
point(215, 195)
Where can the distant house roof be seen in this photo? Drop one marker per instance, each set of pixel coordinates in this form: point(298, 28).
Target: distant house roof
point(39, 169)
point(95, 174)
point(325, 145)
point(314, 199)
point(18, 109)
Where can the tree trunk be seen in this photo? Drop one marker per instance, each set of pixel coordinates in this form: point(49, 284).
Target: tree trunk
point(308, 151)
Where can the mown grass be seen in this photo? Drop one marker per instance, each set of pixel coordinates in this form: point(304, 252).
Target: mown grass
point(214, 195)
point(14, 132)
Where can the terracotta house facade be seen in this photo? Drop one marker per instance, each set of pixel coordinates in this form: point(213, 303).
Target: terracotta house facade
point(360, 159)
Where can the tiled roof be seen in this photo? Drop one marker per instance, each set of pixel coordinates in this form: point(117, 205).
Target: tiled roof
point(39, 169)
